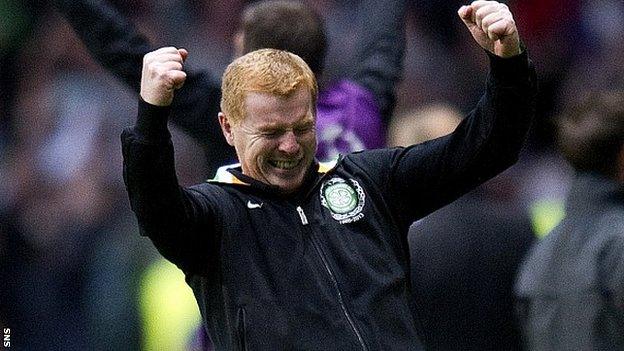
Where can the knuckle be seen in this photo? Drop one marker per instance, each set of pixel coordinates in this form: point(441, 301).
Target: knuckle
point(172, 74)
point(160, 72)
point(509, 22)
point(511, 18)
point(152, 69)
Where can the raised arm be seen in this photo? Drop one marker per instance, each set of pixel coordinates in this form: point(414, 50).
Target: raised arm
point(114, 42)
point(380, 49)
point(422, 178)
point(490, 139)
point(176, 219)
point(110, 38)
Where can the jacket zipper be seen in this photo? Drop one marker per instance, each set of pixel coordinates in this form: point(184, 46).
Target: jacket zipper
point(304, 219)
point(332, 277)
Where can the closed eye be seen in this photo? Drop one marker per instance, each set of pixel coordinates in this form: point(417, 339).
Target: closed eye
point(304, 128)
point(272, 134)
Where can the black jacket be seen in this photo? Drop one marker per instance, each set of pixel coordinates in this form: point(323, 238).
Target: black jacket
point(328, 267)
point(465, 257)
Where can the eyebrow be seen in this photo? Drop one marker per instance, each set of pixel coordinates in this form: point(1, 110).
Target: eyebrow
point(306, 122)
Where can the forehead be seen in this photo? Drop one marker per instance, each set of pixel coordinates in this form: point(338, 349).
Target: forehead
point(265, 108)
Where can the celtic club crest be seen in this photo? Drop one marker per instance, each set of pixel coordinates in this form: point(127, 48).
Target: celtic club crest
point(344, 199)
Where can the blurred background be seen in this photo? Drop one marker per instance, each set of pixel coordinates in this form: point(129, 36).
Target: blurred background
point(74, 272)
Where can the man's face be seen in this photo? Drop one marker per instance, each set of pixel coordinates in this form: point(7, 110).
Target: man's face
point(276, 141)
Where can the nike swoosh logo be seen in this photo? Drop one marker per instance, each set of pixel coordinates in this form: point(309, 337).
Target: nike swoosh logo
point(252, 205)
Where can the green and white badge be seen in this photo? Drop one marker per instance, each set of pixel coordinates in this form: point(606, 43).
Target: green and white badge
point(344, 199)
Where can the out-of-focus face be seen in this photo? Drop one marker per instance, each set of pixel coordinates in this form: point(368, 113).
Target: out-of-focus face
point(239, 44)
point(276, 140)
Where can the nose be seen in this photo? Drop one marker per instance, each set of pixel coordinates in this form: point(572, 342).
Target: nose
point(289, 144)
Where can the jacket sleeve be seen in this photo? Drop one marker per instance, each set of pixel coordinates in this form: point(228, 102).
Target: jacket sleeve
point(117, 45)
point(108, 36)
point(182, 222)
point(428, 176)
point(380, 49)
point(419, 179)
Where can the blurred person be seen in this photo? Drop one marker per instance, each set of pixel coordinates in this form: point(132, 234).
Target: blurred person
point(571, 285)
point(596, 66)
point(63, 203)
point(351, 111)
point(602, 41)
point(284, 252)
point(57, 229)
point(465, 258)
point(465, 255)
point(422, 124)
point(554, 32)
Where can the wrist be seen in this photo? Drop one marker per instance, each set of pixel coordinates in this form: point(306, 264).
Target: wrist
point(155, 99)
point(507, 70)
point(152, 120)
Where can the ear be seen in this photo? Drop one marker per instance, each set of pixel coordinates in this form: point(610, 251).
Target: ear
point(226, 128)
point(239, 43)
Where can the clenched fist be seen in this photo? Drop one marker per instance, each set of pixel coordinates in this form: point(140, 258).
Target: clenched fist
point(163, 73)
point(492, 26)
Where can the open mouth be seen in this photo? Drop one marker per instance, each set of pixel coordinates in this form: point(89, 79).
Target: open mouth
point(285, 165)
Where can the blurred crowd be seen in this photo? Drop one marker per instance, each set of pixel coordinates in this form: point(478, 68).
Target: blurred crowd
point(74, 272)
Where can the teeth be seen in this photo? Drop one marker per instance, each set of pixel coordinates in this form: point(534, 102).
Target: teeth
point(284, 164)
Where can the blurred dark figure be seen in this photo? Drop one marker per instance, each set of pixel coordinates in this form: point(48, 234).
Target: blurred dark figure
point(553, 31)
point(437, 17)
point(464, 260)
point(571, 285)
point(465, 255)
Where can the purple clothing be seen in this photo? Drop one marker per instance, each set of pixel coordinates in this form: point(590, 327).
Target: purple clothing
point(348, 119)
point(201, 340)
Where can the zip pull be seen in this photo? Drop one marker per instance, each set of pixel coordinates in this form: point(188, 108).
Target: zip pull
point(304, 219)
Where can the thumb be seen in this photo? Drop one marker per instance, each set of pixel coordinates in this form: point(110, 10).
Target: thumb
point(179, 80)
point(465, 13)
point(184, 53)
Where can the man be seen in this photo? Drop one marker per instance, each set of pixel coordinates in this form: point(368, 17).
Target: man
point(571, 285)
point(286, 253)
point(352, 111)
